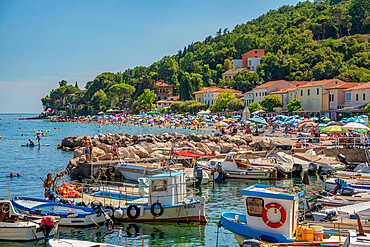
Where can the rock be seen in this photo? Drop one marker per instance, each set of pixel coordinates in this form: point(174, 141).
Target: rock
point(139, 151)
point(66, 149)
point(105, 147)
point(203, 148)
point(72, 164)
point(67, 142)
point(78, 141)
point(106, 156)
point(226, 147)
point(97, 152)
point(215, 148)
point(95, 159)
point(78, 152)
point(82, 159)
point(240, 142)
point(148, 147)
point(122, 152)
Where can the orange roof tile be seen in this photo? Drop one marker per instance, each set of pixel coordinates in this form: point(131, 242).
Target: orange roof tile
point(346, 85)
point(233, 71)
point(216, 89)
point(318, 83)
point(267, 84)
point(299, 83)
point(284, 90)
point(361, 86)
point(160, 83)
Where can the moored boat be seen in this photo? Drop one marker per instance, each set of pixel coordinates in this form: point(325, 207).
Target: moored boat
point(20, 227)
point(69, 215)
point(76, 243)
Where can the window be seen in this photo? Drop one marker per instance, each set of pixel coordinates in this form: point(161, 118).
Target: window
point(308, 103)
point(256, 56)
point(252, 68)
point(250, 62)
point(348, 97)
point(308, 92)
point(318, 103)
point(256, 94)
point(318, 91)
point(331, 97)
point(301, 92)
point(291, 94)
point(255, 52)
point(363, 97)
point(159, 185)
point(260, 93)
point(356, 96)
point(254, 206)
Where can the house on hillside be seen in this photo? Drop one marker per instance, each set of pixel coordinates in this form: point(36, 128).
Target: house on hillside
point(263, 90)
point(358, 95)
point(209, 95)
point(314, 95)
point(250, 60)
point(164, 90)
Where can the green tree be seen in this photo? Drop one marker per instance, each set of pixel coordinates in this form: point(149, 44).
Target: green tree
point(185, 88)
point(62, 83)
point(176, 106)
point(271, 101)
point(120, 91)
point(294, 105)
point(222, 100)
point(246, 81)
point(359, 10)
point(196, 81)
point(254, 106)
point(145, 101)
point(235, 104)
point(98, 100)
point(367, 108)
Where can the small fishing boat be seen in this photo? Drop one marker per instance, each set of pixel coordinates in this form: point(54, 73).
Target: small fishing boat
point(20, 227)
point(69, 215)
point(161, 197)
point(357, 184)
point(76, 243)
point(235, 168)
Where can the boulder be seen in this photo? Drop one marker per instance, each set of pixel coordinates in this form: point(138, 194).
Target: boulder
point(226, 147)
point(215, 148)
point(122, 152)
point(107, 148)
point(106, 156)
point(78, 141)
point(139, 151)
point(78, 152)
point(97, 152)
point(67, 142)
point(203, 148)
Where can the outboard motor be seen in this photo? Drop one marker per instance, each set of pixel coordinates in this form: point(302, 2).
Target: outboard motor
point(251, 243)
point(221, 173)
point(324, 176)
point(297, 170)
point(347, 192)
point(198, 174)
point(47, 224)
point(95, 205)
point(330, 216)
point(316, 207)
point(98, 206)
point(344, 160)
point(312, 168)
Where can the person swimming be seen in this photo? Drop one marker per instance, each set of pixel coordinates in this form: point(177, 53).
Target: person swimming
point(31, 144)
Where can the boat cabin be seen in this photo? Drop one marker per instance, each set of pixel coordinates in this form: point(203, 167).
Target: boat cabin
point(272, 209)
point(167, 188)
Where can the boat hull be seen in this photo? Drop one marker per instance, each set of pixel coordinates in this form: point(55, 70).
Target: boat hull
point(27, 232)
point(185, 213)
point(241, 228)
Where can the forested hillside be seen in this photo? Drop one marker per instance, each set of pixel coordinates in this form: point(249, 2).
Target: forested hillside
point(320, 39)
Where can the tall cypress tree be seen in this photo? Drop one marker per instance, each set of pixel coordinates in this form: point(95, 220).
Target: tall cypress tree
point(185, 87)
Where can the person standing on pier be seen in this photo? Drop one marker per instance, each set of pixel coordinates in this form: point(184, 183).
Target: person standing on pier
point(115, 149)
point(87, 149)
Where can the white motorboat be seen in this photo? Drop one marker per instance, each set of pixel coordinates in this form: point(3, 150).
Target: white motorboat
point(235, 168)
point(19, 227)
point(356, 184)
point(76, 243)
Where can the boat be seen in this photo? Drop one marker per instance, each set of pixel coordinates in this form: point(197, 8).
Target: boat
point(70, 215)
point(76, 243)
point(20, 227)
point(271, 215)
point(357, 184)
point(344, 212)
point(235, 168)
point(161, 197)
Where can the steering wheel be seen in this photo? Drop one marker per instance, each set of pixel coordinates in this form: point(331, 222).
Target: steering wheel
point(6, 208)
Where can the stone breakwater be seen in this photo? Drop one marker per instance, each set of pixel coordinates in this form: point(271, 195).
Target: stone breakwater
point(150, 146)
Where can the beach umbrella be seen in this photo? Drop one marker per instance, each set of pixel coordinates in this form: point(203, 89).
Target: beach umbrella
point(307, 125)
point(257, 121)
point(356, 126)
point(301, 123)
point(334, 129)
point(321, 125)
point(313, 119)
point(326, 119)
point(336, 123)
point(258, 111)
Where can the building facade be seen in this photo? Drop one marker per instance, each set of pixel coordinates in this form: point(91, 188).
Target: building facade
point(209, 95)
point(263, 90)
point(164, 90)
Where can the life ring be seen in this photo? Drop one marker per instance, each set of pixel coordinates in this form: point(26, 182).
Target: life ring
point(152, 209)
point(282, 213)
point(6, 208)
point(137, 211)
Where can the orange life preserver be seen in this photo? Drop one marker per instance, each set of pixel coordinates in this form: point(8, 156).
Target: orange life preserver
point(282, 212)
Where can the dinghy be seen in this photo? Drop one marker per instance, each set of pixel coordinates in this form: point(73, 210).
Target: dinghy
point(19, 227)
point(76, 243)
point(70, 215)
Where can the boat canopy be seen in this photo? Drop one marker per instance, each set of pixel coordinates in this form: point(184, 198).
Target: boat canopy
point(270, 191)
point(193, 155)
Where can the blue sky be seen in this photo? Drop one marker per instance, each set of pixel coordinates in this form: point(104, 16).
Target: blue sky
point(43, 42)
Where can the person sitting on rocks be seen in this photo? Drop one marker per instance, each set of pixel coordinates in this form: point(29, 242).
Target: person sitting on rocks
point(115, 149)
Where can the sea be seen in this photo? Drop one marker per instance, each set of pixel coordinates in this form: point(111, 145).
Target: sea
point(33, 164)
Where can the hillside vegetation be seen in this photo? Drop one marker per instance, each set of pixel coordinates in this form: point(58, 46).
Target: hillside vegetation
point(320, 39)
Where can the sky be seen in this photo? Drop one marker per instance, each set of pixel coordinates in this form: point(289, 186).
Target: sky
point(43, 42)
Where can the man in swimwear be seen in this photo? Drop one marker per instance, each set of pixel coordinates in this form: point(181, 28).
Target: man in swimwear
point(38, 138)
point(48, 182)
point(87, 149)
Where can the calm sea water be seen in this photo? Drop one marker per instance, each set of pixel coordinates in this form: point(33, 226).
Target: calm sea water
point(34, 163)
